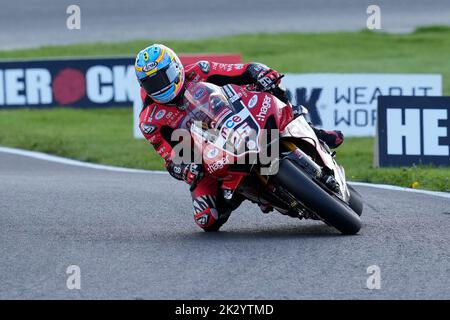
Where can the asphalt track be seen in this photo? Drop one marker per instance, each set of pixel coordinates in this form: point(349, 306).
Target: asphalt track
point(133, 236)
point(25, 23)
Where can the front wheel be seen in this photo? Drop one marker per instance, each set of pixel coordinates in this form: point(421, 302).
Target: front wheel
point(328, 208)
point(355, 202)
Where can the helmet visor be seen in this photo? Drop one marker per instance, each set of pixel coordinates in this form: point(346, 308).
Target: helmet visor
point(161, 80)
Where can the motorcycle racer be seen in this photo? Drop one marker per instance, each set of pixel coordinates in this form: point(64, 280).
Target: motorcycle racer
point(163, 80)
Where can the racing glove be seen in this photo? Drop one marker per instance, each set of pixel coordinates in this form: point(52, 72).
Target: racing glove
point(190, 173)
point(268, 80)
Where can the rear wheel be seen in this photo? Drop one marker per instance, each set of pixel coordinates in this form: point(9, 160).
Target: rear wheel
point(326, 206)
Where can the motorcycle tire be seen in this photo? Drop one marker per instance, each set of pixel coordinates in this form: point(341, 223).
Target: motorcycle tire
point(355, 201)
point(328, 207)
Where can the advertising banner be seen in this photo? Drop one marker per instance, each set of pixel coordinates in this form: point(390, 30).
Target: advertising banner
point(348, 102)
point(413, 130)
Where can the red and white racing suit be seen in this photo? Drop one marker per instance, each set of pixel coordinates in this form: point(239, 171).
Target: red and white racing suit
point(157, 122)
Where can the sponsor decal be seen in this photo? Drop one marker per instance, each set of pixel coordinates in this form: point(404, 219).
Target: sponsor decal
point(147, 128)
point(194, 168)
point(204, 66)
point(266, 82)
point(174, 117)
point(212, 153)
point(199, 93)
point(162, 150)
point(227, 67)
point(152, 139)
point(150, 66)
point(257, 67)
point(165, 155)
point(229, 93)
point(251, 145)
point(177, 169)
point(160, 114)
point(231, 122)
point(169, 115)
point(224, 132)
point(240, 134)
point(252, 102)
point(215, 65)
point(235, 98)
point(228, 194)
point(202, 220)
point(218, 164)
point(261, 116)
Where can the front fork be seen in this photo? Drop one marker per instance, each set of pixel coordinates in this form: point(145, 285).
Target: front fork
point(301, 159)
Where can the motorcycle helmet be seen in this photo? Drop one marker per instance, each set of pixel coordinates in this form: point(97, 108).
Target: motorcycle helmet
point(160, 73)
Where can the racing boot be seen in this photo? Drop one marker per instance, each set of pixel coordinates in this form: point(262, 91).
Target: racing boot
point(333, 138)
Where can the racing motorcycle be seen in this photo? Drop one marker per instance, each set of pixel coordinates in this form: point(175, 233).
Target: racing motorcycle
point(235, 131)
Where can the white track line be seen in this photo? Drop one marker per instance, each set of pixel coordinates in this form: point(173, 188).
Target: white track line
point(47, 157)
point(396, 188)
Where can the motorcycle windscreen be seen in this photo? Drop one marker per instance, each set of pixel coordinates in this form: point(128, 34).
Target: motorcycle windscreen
point(214, 120)
point(234, 135)
point(205, 103)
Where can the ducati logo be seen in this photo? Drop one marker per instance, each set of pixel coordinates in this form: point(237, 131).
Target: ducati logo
point(147, 128)
point(204, 66)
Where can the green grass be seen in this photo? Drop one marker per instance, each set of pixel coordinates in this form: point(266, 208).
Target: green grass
point(356, 155)
point(426, 50)
point(105, 136)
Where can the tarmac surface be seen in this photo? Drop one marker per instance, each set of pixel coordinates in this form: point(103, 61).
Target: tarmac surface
point(133, 237)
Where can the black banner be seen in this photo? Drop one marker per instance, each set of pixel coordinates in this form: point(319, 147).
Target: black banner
point(413, 131)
